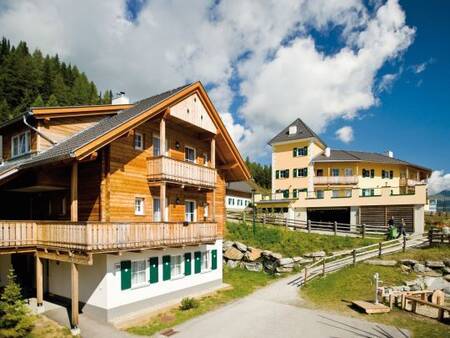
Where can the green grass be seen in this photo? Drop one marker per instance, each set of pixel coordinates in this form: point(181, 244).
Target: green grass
point(290, 243)
point(45, 328)
point(337, 290)
point(243, 282)
point(436, 252)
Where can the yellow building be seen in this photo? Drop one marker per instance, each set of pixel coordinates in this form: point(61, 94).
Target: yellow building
point(313, 182)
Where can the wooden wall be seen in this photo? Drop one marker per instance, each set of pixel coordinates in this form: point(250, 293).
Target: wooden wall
point(89, 181)
point(9, 131)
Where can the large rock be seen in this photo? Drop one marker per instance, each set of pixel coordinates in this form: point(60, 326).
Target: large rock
point(420, 268)
point(297, 258)
point(252, 255)
point(233, 264)
point(277, 256)
point(317, 254)
point(435, 264)
point(266, 253)
point(283, 269)
point(304, 261)
point(381, 262)
point(240, 246)
point(447, 278)
point(409, 262)
point(286, 262)
point(446, 270)
point(233, 254)
point(255, 266)
point(446, 290)
point(405, 268)
point(226, 245)
point(447, 261)
point(436, 283)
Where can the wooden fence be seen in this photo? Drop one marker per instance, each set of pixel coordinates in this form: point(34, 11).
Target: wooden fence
point(351, 257)
point(359, 230)
point(437, 235)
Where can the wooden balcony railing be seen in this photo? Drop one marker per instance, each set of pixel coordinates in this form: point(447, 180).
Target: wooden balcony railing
point(100, 236)
point(335, 179)
point(169, 169)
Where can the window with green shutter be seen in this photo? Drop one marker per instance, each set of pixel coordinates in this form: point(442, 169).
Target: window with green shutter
point(294, 152)
point(154, 270)
point(214, 259)
point(166, 267)
point(277, 174)
point(187, 263)
point(125, 275)
point(294, 172)
point(198, 262)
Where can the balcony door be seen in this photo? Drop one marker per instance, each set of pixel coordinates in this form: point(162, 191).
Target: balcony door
point(157, 146)
point(190, 211)
point(157, 209)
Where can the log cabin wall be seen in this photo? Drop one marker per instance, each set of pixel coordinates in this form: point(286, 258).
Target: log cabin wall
point(89, 183)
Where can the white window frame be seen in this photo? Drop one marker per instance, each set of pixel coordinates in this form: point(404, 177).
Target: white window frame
point(195, 154)
point(194, 214)
point(348, 172)
point(156, 136)
point(331, 172)
point(16, 137)
point(138, 145)
point(139, 209)
point(142, 273)
point(176, 265)
point(206, 261)
point(155, 213)
point(334, 193)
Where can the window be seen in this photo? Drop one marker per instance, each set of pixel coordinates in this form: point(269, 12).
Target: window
point(319, 194)
point(138, 141)
point(230, 201)
point(239, 202)
point(389, 174)
point(138, 273)
point(372, 173)
point(205, 159)
point(189, 154)
point(156, 209)
point(334, 172)
point(368, 173)
point(319, 172)
point(282, 173)
point(368, 192)
point(300, 151)
point(246, 203)
point(189, 211)
point(138, 206)
point(176, 263)
point(335, 193)
point(348, 192)
point(300, 172)
point(348, 172)
point(205, 211)
point(156, 146)
point(286, 193)
point(20, 144)
point(206, 262)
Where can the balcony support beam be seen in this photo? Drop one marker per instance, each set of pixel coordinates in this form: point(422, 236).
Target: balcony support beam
point(74, 296)
point(74, 193)
point(39, 283)
point(162, 136)
point(213, 152)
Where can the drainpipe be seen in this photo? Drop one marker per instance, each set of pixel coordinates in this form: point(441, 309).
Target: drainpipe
point(34, 129)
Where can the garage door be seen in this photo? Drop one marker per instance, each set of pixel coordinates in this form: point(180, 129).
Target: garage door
point(340, 215)
point(379, 215)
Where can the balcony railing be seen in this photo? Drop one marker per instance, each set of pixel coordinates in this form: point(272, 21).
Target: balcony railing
point(335, 179)
point(104, 235)
point(164, 168)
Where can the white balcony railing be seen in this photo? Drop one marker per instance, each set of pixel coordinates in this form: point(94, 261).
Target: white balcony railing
point(169, 169)
point(335, 179)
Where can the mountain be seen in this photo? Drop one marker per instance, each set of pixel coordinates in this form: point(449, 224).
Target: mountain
point(32, 79)
point(442, 196)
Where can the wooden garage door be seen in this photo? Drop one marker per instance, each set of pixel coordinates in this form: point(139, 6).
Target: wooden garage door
point(379, 215)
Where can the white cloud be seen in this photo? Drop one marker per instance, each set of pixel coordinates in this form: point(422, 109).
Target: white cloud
point(438, 182)
point(421, 67)
point(173, 42)
point(387, 81)
point(345, 134)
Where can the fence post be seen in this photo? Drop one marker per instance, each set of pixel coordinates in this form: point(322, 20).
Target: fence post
point(264, 219)
point(286, 221)
point(379, 248)
point(354, 257)
point(363, 230)
point(323, 267)
point(309, 226)
point(404, 243)
point(335, 228)
point(306, 275)
point(430, 236)
point(243, 216)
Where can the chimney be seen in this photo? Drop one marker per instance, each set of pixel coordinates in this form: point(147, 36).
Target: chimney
point(120, 98)
point(293, 130)
point(390, 153)
point(327, 151)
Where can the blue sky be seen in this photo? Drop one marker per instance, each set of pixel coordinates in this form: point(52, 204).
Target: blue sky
point(369, 75)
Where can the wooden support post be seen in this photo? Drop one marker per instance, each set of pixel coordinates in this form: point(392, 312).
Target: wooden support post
point(363, 230)
point(440, 314)
point(162, 201)
point(213, 152)
point(380, 244)
point(335, 228)
point(39, 282)
point(306, 275)
point(74, 193)
point(413, 306)
point(74, 295)
point(354, 256)
point(309, 226)
point(214, 204)
point(404, 243)
point(162, 136)
point(323, 267)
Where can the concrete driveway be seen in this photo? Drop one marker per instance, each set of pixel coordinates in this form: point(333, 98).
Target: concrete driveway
point(276, 311)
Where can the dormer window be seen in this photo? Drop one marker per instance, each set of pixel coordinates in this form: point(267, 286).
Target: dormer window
point(20, 144)
point(292, 130)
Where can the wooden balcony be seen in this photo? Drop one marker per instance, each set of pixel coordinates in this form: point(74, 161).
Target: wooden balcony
point(164, 168)
point(104, 236)
point(332, 180)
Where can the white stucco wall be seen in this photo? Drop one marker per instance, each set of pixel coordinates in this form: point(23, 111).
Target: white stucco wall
point(5, 264)
point(235, 205)
point(419, 219)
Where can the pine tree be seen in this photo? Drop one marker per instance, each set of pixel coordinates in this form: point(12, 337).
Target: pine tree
point(5, 112)
point(39, 102)
point(52, 101)
point(15, 318)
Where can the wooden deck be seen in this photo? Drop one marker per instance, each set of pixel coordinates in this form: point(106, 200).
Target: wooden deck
point(104, 236)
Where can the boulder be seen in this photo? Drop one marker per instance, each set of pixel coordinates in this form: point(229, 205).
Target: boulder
point(409, 262)
point(305, 261)
point(276, 256)
point(297, 259)
point(240, 246)
point(435, 283)
point(447, 261)
point(420, 268)
point(255, 266)
point(266, 253)
point(435, 264)
point(415, 287)
point(446, 290)
point(317, 254)
point(233, 254)
point(252, 255)
point(446, 270)
point(288, 262)
point(447, 278)
point(432, 273)
point(233, 264)
point(283, 269)
point(381, 262)
point(405, 268)
point(226, 245)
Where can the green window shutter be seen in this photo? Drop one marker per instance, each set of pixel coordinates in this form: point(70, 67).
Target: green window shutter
point(198, 262)
point(306, 172)
point(294, 172)
point(277, 174)
point(166, 267)
point(153, 270)
point(187, 263)
point(306, 151)
point(294, 152)
point(372, 173)
point(214, 259)
point(287, 173)
point(125, 275)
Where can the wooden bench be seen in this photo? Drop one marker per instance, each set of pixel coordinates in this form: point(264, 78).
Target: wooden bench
point(414, 301)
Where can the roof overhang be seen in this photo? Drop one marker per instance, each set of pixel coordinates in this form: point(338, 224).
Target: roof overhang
point(296, 140)
point(69, 111)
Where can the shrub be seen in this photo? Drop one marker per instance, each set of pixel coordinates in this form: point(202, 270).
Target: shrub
point(15, 318)
point(188, 303)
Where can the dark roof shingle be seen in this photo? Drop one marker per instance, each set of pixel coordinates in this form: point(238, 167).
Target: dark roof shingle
point(303, 132)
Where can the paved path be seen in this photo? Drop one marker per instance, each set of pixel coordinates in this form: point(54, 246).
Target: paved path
point(276, 311)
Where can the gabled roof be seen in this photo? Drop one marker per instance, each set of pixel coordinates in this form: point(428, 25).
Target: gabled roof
point(110, 128)
point(242, 186)
point(362, 156)
point(303, 132)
